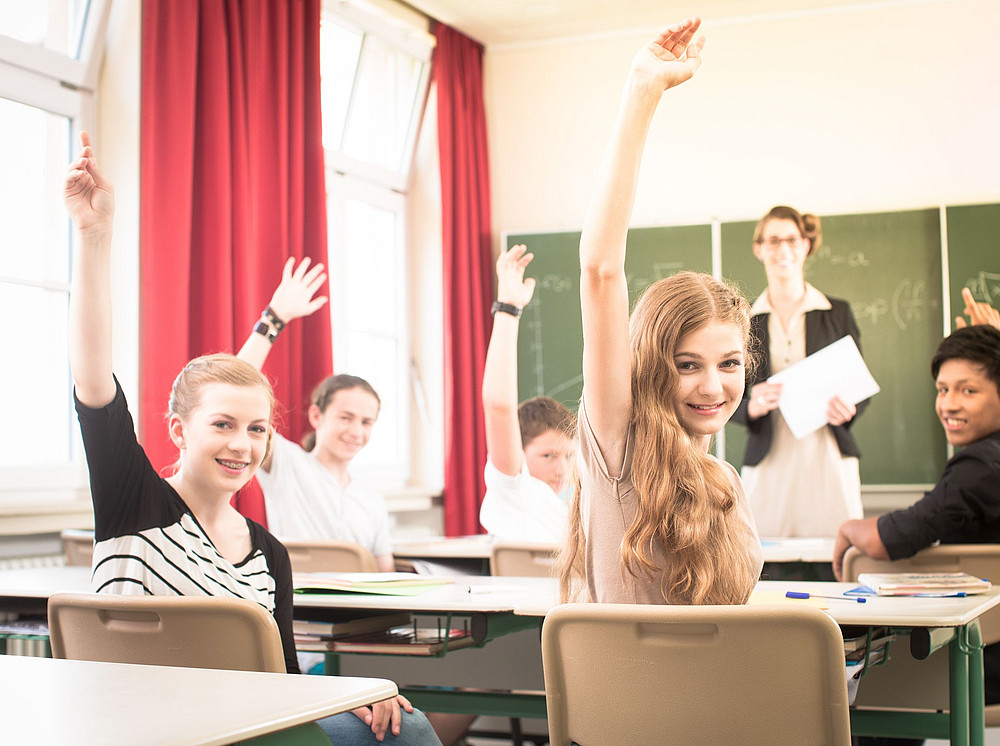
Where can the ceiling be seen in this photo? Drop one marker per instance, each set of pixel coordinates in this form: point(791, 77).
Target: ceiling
point(501, 22)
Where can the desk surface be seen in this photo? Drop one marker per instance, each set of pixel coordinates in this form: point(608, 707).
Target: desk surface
point(43, 700)
point(535, 596)
point(441, 547)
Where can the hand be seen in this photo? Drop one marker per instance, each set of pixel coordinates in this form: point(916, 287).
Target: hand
point(385, 714)
point(838, 411)
point(840, 546)
point(978, 313)
point(763, 398)
point(294, 296)
point(89, 197)
point(670, 58)
point(511, 286)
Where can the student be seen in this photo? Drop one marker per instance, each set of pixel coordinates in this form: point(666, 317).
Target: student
point(963, 507)
point(308, 490)
point(657, 519)
point(796, 486)
point(179, 535)
point(530, 447)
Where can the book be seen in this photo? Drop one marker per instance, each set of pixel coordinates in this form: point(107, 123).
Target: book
point(383, 583)
point(317, 630)
point(923, 584)
point(405, 640)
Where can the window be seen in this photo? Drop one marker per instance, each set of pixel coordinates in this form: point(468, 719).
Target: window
point(46, 64)
point(375, 73)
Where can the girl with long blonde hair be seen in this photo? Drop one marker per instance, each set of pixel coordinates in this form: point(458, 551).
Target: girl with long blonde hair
point(656, 518)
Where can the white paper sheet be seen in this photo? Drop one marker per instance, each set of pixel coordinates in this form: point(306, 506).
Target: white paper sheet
point(807, 386)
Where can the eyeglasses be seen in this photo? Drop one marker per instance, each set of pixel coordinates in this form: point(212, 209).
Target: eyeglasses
point(774, 242)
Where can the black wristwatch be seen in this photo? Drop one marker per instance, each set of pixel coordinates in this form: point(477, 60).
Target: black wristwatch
point(502, 307)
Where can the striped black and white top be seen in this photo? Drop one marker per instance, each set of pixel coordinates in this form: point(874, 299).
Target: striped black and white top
point(147, 541)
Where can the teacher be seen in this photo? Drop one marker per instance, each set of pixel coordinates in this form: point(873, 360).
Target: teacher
point(807, 486)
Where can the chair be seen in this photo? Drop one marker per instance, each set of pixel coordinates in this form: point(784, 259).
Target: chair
point(78, 546)
point(191, 631)
point(981, 560)
point(621, 673)
point(524, 560)
point(329, 556)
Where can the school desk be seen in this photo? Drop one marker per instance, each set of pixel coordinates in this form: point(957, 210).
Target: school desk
point(503, 606)
point(503, 601)
point(471, 554)
point(467, 555)
point(43, 700)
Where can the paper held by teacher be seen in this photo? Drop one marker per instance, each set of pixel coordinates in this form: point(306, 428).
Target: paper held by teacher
point(807, 386)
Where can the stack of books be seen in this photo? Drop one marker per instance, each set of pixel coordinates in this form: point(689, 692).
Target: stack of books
point(319, 636)
point(923, 584)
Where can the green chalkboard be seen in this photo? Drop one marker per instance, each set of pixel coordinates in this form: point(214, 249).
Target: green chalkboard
point(973, 254)
point(888, 266)
point(550, 342)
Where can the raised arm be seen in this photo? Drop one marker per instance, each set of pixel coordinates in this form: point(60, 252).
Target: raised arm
point(292, 299)
point(90, 201)
point(503, 433)
point(666, 61)
point(978, 313)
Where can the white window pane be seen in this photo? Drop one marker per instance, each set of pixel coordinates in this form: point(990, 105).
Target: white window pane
point(377, 360)
point(54, 24)
point(373, 268)
point(34, 148)
point(383, 108)
point(35, 385)
point(340, 46)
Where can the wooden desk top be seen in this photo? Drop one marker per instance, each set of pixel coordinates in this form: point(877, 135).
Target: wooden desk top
point(535, 596)
point(43, 700)
point(441, 547)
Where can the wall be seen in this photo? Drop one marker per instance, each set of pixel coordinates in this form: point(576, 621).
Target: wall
point(877, 107)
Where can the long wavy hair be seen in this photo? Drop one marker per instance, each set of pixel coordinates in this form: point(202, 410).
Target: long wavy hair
point(686, 500)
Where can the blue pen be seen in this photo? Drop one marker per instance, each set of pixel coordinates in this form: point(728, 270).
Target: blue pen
point(803, 594)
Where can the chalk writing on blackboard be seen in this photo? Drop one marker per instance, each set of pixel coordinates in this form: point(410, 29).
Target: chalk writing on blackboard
point(985, 286)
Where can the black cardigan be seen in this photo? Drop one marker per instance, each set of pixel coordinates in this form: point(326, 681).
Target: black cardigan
point(823, 327)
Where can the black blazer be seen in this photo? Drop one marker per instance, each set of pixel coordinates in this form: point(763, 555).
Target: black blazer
point(822, 328)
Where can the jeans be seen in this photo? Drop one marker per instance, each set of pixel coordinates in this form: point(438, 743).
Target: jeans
point(347, 729)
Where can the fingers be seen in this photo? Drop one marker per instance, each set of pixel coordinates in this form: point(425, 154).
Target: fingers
point(404, 703)
point(676, 38)
point(960, 322)
point(838, 412)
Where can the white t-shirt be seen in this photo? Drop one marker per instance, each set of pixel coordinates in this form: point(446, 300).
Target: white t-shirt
point(522, 508)
point(304, 501)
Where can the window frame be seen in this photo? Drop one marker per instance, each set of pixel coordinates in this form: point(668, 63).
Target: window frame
point(43, 497)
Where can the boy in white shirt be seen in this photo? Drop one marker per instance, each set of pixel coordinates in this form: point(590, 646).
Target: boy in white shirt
point(531, 447)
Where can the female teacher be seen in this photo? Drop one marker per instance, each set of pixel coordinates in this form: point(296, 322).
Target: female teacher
point(807, 486)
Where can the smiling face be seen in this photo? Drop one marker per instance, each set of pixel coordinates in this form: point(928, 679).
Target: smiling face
point(550, 458)
point(711, 377)
point(782, 249)
point(968, 402)
point(224, 438)
point(345, 426)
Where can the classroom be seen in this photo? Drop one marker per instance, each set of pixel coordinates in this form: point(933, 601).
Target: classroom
point(856, 111)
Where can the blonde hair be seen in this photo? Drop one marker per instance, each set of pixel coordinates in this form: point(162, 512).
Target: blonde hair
point(185, 394)
point(686, 500)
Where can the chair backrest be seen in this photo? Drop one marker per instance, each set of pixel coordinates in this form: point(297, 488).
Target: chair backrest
point(329, 556)
point(981, 560)
point(621, 673)
point(191, 631)
point(78, 546)
point(524, 560)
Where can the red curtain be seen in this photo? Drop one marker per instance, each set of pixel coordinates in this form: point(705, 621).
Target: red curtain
point(232, 184)
point(468, 271)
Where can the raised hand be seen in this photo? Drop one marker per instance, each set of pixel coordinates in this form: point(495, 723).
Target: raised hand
point(511, 286)
point(293, 298)
point(978, 313)
point(89, 196)
point(670, 58)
